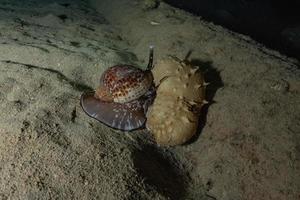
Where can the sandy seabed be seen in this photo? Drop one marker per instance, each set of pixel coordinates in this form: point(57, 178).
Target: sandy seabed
point(248, 145)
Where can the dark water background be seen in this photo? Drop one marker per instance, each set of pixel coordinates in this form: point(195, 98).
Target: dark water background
point(275, 23)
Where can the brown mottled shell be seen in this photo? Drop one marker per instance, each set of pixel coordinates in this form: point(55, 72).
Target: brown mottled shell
point(172, 118)
point(123, 83)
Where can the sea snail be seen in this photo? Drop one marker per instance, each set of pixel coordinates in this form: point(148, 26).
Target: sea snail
point(123, 96)
point(174, 115)
point(126, 98)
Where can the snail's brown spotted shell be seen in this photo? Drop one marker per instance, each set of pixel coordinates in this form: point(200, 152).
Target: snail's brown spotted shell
point(122, 98)
point(123, 83)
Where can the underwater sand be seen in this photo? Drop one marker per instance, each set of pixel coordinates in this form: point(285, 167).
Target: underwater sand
point(248, 146)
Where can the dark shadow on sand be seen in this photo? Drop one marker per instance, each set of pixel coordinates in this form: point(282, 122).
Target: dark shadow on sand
point(161, 171)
